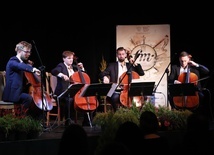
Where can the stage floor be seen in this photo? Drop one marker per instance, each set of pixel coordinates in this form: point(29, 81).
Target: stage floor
point(55, 132)
point(47, 142)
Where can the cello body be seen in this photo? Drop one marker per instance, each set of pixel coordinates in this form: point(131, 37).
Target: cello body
point(40, 97)
point(187, 102)
point(86, 104)
point(125, 99)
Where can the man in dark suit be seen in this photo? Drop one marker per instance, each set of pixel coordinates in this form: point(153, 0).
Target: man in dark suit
point(64, 71)
point(15, 68)
point(185, 67)
point(115, 70)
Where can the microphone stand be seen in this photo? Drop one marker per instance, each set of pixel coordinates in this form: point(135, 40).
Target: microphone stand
point(167, 72)
point(42, 69)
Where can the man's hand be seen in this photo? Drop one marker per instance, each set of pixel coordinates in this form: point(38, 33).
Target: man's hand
point(106, 79)
point(192, 63)
point(177, 82)
point(37, 71)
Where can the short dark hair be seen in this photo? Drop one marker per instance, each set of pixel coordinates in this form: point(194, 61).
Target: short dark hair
point(121, 49)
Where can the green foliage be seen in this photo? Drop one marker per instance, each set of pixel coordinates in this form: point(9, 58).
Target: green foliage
point(10, 124)
point(102, 119)
point(110, 121)
point(172, 119)
point(169, 119)
point(149, 107)
point(28, 124)
point(7, 124)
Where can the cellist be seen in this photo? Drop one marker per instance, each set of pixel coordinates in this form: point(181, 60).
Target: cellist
point(115, 69)
point(186, 63)
point(64, 71)
point(15, 78)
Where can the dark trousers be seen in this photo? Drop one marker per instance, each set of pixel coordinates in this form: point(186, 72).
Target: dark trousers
point(66, 106)
point(114, 100)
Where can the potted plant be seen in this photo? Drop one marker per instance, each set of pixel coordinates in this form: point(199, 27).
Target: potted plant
point(27, 128)
point(12, 128)
point(169, 119)
point(7, 127)
point(35, 128)
point(3, 129)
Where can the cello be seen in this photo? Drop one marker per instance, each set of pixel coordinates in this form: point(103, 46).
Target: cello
point(125, 99)
point(189, 102)
point(40, 97)
point(86, 104)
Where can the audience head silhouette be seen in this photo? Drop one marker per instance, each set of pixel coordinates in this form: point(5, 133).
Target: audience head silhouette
point(198, 138)
point(130, 135)
point(197, 122)
point(149, 122)
point(74, 138)
point(150, 126)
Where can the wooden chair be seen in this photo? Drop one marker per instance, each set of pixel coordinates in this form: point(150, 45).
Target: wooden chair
point(105, 105)
point(51, 82)
point(5, 107)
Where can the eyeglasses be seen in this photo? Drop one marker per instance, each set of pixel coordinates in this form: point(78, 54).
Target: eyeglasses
point(27, 52)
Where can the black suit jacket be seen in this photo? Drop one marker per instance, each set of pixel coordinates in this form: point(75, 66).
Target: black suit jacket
point(62, 85)
point(112, 71)
point(175, 72)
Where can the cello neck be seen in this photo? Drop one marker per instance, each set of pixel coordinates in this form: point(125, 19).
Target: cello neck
point(187, 75)
point(80, 72)
point(81, 77)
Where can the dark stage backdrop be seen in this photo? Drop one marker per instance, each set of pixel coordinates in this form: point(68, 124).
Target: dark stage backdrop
point(93, 35)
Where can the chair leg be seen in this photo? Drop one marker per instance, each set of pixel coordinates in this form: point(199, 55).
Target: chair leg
point(58, 115)
point(48, 118)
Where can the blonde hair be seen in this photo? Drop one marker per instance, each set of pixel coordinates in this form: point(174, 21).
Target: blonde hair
point(21, 45)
